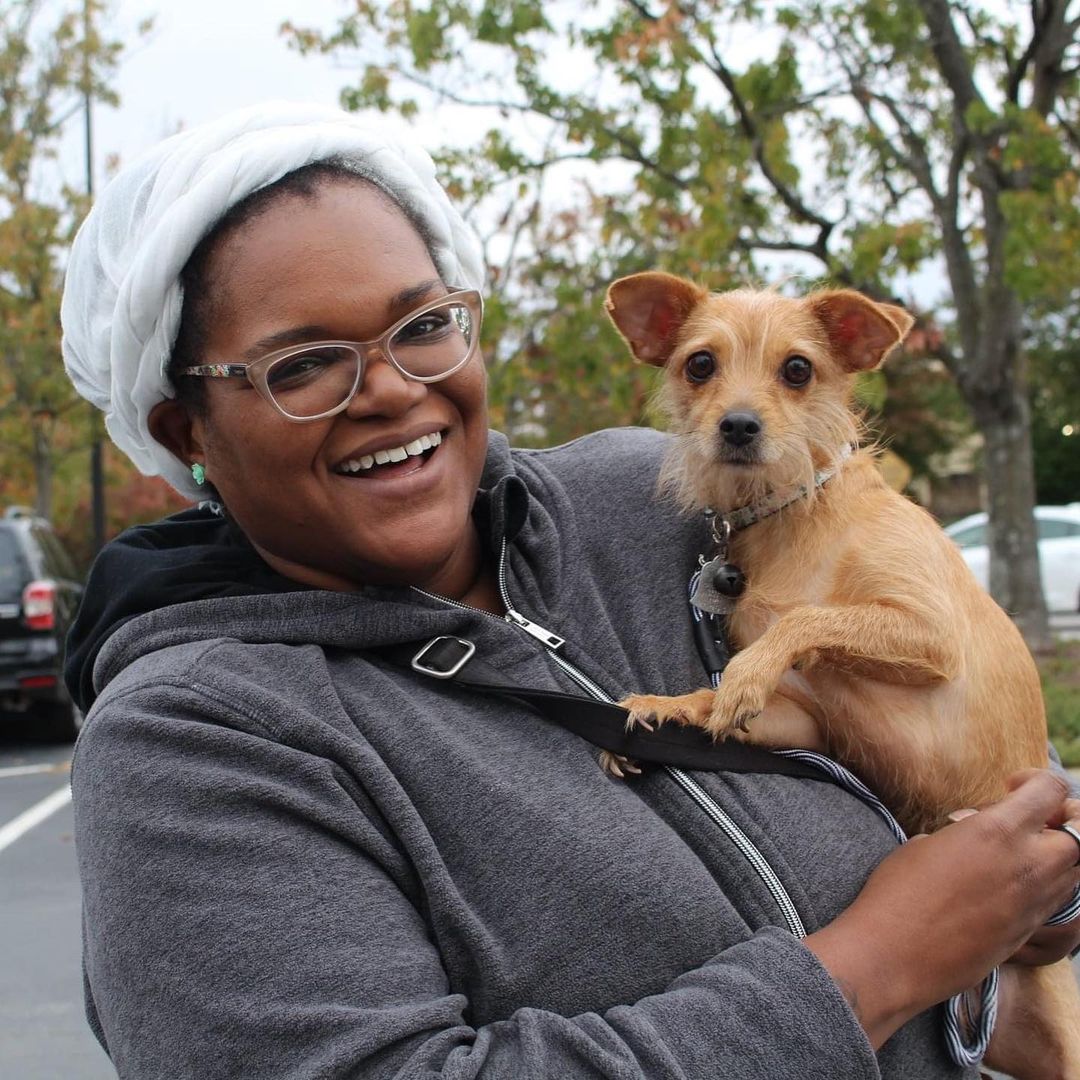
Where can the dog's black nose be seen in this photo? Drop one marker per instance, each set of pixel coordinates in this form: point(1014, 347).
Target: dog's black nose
point(740, 428)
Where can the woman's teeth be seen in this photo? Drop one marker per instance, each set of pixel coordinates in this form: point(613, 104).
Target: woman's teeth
point(392, 455)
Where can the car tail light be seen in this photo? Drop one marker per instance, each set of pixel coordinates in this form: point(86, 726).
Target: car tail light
point(39, 605)
point(37, 682)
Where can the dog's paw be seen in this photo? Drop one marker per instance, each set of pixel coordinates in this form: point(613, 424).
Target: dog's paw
point(645, 711)
point(649, 711)
point(617, 765)
point(735, 704)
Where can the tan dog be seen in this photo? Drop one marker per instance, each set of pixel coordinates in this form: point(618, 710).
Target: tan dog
point(861, 631)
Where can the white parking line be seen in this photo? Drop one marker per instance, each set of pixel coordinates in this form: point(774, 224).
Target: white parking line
point(37, 813)
point(28, 770)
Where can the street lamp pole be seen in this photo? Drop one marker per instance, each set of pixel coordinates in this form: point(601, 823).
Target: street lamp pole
point(97, 449)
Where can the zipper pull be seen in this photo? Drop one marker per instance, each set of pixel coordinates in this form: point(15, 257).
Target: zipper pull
point(552, 641)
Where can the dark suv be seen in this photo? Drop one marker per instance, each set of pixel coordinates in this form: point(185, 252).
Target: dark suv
point(39, 592)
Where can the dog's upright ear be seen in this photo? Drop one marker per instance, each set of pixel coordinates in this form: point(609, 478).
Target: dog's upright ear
point(648, 309)
point(861, 332)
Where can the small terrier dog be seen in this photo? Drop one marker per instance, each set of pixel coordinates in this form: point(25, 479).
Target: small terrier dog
point(860, 631)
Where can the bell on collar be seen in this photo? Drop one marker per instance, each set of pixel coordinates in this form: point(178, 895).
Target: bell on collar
point(727, 579)
point(719, 585)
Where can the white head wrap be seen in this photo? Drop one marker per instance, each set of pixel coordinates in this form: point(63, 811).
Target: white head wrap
point(122, 297)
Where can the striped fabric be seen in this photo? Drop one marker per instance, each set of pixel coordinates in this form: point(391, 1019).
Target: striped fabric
point(1068, 912)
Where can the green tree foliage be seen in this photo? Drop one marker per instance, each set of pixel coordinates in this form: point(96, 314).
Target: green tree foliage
point(851, 140)
point(1055, 405)
point(47, 65)
point(918, 413)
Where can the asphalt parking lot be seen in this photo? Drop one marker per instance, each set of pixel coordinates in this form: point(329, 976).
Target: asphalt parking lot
point(43, 1031)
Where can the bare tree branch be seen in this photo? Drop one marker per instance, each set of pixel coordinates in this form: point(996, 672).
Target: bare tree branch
point(951, 57)
point(749, 126)
point(1070, 130)
point(1052, 36)
point(531, 217)
point(914, 156)
point(1018, 72)
point(917, 156)
point(836, 271)
point(799, 104)
point(642, 10)
point(760, 243)
point(631, 150)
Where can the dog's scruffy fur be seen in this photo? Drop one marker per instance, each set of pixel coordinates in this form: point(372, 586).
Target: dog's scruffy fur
point(861, 631)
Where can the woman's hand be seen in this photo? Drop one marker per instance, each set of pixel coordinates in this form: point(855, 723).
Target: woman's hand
point(1049, 943)
point(1052, 943)
point(939, 913)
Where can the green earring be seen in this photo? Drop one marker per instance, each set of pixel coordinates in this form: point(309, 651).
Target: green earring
point(198, 473)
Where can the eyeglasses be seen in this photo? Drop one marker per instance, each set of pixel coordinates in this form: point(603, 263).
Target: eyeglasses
point(319, 379)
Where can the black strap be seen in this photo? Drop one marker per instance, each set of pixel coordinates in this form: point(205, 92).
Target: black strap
point(452, 659)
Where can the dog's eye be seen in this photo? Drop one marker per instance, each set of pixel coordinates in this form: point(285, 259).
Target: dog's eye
point(700, 366)
point(796, 370)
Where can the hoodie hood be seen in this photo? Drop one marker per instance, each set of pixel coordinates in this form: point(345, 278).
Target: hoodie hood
point(191, 556)
point(195, 575)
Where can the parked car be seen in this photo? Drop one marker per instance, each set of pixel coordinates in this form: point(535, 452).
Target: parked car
point(1059, 551)
point(39, 593)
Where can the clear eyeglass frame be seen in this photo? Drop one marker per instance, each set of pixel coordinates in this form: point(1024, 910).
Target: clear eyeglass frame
point(256, 372)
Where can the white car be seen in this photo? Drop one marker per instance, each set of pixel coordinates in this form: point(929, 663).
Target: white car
point(1059, 552)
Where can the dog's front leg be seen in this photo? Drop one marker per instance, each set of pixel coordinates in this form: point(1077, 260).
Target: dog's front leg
point(874, 640)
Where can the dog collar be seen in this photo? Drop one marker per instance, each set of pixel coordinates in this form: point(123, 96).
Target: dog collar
point(745, 516)
point(718, 584)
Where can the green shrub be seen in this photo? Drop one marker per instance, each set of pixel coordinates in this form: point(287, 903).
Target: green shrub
point(1061, 688)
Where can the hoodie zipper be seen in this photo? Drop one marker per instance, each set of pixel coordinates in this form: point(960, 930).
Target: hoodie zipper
point(747, 848)
point(552, 642)
point(534, 630)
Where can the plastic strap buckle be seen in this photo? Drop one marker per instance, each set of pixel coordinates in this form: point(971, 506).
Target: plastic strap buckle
point(443, 657)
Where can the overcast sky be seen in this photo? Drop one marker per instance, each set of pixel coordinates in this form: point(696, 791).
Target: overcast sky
point(203, 58)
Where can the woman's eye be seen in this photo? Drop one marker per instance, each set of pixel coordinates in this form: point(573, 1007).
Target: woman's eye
point(700, 366)
point(304, 366)
point(428, 325)
point(796, 370)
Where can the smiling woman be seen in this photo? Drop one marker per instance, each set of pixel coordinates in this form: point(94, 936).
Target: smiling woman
point(301, 857)
point(298, 280)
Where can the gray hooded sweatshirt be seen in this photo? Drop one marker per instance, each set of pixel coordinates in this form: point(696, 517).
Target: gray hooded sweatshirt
point(300, 861)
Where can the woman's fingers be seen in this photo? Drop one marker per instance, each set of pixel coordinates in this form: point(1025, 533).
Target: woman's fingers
point(1064, 841)
point(1070, 829)
point(1039, 796)
point(1035, 797)
point(1040, 800)
point(1070, 809)
point(1014, 780)
point(1049, 944)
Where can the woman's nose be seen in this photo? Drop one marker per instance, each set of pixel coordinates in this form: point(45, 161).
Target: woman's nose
point(384, 391)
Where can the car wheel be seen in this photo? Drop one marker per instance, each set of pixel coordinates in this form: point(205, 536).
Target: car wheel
point(58, 721)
